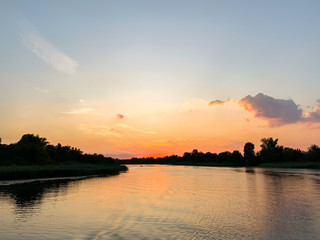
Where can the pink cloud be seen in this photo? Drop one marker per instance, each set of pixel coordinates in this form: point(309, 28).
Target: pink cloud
point(277, 112)
point(216, 102)
point(120, 116)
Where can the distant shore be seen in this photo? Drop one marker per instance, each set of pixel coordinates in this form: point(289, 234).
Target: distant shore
point(304, 165)
point(307, 165)
point(271, 155)
point(19, 172)
point(33, 157)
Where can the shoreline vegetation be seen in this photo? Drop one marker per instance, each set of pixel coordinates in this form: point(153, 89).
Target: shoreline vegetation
point(19, 172)
point(33, 157)
point(271, 155)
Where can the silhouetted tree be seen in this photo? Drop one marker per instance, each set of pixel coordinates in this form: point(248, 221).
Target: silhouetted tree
point(32, 149)
point(210, 157)
point(313, 153)
point(270, 151)
point(187, 156)
point(249, 155)
point(293, 155)
point(2, 146)
point(237, 158)
point(224, 157)
point(33, 139)
point(194, 152)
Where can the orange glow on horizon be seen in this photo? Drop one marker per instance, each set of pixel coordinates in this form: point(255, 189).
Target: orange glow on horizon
point(159, 132)
point(156, 155)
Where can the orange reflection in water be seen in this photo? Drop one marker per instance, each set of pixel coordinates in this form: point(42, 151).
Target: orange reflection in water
point(170, 202)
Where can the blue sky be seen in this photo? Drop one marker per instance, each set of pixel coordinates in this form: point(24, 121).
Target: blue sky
point(55, 53)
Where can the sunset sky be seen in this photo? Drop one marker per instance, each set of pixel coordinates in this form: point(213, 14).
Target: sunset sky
point(154, 78)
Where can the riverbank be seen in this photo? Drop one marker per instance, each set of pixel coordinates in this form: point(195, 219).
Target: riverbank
point(304, 165)
point(17, 172)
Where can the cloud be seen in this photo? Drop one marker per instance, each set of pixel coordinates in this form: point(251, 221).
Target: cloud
point(134, 128)
point(313, 116)
point(104, 130)
point(120, 116)
point(100, 130)
point(46, 51)
point(276, 111)
point(83, 110)
point(216, 102)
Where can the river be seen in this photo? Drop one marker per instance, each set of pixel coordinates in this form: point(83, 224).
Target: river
point(166, 202)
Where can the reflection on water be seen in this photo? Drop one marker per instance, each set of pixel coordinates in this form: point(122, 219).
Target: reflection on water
point(167, 202)
point(28, 195)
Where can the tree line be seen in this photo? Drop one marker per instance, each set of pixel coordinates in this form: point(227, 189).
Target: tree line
point(34, 150)
point(270, 152)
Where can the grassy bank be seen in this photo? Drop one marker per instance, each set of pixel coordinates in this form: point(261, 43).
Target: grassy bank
point(61, 170)
point(308, 165)
point(311, 165)
point(205, 164)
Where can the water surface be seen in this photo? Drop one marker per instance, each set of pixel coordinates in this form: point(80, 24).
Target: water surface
point(167, 202)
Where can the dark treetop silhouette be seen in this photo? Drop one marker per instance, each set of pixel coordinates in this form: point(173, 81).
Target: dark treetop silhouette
point(270, 155)
point(33, 157)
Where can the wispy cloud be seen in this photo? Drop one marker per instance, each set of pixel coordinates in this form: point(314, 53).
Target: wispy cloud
point(83, 110)
point(100, 130)
point(47, 52)
point(122, 125)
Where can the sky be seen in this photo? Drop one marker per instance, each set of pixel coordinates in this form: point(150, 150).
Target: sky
point(155, 78)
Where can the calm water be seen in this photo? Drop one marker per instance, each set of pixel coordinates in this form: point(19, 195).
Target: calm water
point(167, 202)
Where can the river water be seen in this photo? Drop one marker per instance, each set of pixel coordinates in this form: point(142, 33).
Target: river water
point(166, 202)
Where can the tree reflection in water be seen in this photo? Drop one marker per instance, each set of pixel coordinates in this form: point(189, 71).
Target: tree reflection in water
point(27, 197)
